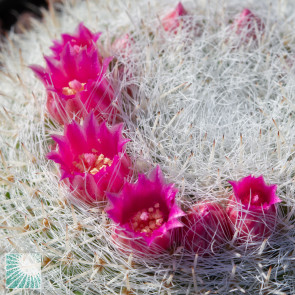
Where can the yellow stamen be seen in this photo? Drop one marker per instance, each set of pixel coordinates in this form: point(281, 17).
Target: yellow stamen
point(146, 221)
point(92, 163)
point(71, 90)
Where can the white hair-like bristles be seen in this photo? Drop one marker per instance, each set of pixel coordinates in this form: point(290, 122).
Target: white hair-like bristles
point(204, 107)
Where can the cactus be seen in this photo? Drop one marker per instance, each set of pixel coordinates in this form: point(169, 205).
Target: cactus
point(201, 101)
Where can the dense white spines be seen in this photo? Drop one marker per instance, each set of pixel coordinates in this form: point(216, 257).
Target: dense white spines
point(204, 109)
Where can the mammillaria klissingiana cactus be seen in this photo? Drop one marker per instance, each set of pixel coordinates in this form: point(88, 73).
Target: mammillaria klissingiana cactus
point(75, 78)
point(92, 159)
point(145, 212)
point(202, 108)
point(251, 208)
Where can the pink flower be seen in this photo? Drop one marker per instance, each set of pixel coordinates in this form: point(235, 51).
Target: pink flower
point(92, 159)
point(76, 84)
point(146, 213)
point(251, 208)
point(247, 25)
point(172, 21)
point(82, 37)
point(122, 45)
point(206, 228)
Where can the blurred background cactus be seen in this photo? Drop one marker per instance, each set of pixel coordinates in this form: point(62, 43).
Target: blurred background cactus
point(17, 13)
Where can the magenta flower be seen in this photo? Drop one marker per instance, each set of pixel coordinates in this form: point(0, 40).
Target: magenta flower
point(172, 21)
point(251, 208)
point(76, 84)
point(82, 37)
point(247, 25)
point(92, 159)
point(145, 212)
point(206, 228)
